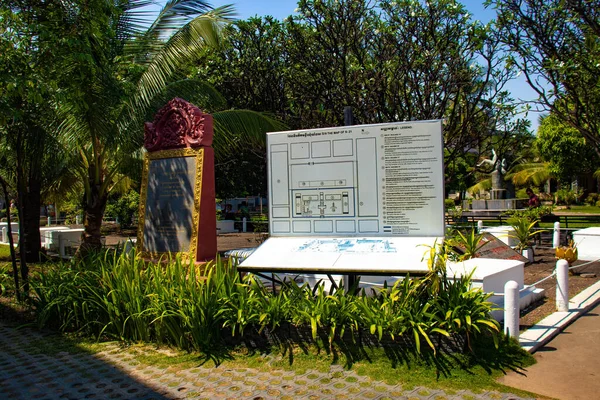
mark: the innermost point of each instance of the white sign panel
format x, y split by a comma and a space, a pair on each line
339, 255
366, 180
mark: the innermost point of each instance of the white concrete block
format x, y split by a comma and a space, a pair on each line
45, 235
489, 274
225, 226
504, 233
588, 243
68, 237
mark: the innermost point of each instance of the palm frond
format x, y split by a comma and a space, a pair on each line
529, 174
180, 49
234, 128
202, 94
177, 13
133, 20
481, 186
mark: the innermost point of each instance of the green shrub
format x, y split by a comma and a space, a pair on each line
465, 246
532, 214
465, 310
6, 280
592, 199
71, 209
568, 197
525, 231
124, 208
449, 204
176, 303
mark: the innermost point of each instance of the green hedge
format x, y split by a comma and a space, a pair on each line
173, 303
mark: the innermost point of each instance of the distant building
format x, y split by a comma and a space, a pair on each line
255, 204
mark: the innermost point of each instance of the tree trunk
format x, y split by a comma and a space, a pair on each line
13, 256
93, 215
31, 207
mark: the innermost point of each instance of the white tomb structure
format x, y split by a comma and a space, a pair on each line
46, 237
365, 199
504, 233
14, 227
588, 243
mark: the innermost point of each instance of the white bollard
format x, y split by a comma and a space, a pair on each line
511, 309
78, 219
562, 285
244, 224
479, 226
49, 221
556, 236
4, 234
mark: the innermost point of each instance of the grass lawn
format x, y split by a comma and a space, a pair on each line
580, 210
4, 252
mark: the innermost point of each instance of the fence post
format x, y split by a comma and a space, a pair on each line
479, 226
511, 309
562, 285
4, 234
244, 224
556, 236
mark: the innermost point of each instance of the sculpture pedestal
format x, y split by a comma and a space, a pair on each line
497, 194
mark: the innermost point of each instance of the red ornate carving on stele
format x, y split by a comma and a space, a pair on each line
178, 124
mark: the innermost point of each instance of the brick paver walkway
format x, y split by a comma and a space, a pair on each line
116, 373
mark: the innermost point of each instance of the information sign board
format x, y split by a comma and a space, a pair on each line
177, 197
357, 199
365, 180
169, 208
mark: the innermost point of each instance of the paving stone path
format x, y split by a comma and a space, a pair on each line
29, 372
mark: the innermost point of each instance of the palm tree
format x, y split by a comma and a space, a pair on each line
119, 66
530, 174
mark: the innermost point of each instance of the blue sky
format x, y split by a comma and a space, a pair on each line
281, 9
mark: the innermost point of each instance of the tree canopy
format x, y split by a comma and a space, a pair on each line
556, 44
565, 149
388, 60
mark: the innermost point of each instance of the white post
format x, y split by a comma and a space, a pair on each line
556, 236
49, 221
244, 224
511, 309
479, 226
78, 219
4, 234
562, 285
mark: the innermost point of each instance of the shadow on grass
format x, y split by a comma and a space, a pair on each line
507, 356
451, 357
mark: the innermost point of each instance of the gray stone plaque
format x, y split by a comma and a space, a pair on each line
168, 217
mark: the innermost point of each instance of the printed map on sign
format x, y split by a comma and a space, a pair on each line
348, 246
370, 180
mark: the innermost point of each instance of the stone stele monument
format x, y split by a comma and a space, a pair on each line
177, 202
